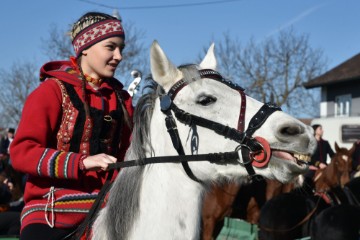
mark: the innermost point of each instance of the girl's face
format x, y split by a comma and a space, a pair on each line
100, 60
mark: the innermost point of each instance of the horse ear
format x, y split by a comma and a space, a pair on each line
336, 147
352, 149
209, 61
162, 70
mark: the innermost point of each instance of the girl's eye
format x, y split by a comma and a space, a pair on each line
111, 47
206, 100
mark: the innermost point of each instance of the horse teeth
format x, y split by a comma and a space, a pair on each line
302, 157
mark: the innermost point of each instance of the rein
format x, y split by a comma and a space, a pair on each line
220, 158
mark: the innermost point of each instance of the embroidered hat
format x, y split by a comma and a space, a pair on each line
92, 28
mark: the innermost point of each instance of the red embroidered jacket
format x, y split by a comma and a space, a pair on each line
54, 134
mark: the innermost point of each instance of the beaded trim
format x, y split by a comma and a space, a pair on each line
92, 80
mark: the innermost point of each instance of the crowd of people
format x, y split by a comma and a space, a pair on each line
12, 185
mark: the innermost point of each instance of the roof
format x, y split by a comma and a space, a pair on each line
346, 71
306, 121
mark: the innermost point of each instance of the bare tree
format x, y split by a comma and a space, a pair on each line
275, 69
58, 46
17, 83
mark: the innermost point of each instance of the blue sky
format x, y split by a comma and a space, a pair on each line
182, 32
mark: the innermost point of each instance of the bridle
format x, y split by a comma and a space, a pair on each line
250, 151
254, 151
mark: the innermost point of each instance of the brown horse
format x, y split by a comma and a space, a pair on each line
337, 173
217, 205
239, 201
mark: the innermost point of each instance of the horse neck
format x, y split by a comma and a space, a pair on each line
326, 179
331, 174
170, 201
334, 177
169, 205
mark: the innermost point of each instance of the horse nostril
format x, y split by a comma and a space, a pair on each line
292, 130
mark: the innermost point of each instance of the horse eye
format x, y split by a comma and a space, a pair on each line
206, 100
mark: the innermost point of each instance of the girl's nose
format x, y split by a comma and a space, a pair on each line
117, 54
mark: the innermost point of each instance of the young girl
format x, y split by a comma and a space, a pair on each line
76, 123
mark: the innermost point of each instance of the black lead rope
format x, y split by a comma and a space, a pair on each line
86, 225
219, 158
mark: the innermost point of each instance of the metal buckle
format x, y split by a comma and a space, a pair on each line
240, 160
107, 118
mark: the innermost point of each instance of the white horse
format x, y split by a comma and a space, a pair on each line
160, 201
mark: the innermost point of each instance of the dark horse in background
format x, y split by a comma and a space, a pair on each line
294, 216
332, 213
245, 200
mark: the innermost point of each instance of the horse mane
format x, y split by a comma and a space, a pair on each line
141, 143
123, 203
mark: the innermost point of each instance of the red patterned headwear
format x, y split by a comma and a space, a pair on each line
96, 32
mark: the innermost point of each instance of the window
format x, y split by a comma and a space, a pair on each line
342, 105
350, 132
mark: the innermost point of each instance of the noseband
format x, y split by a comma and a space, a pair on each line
254, 151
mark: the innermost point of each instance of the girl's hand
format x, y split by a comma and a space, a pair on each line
99, 161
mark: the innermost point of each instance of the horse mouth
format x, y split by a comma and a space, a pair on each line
297, 158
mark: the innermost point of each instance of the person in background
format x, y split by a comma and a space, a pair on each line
9, 215
323, 149
76, 123
4, 148
318, 159
5, 142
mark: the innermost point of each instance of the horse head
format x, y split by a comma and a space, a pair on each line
343, 163
288, 142
337, 173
